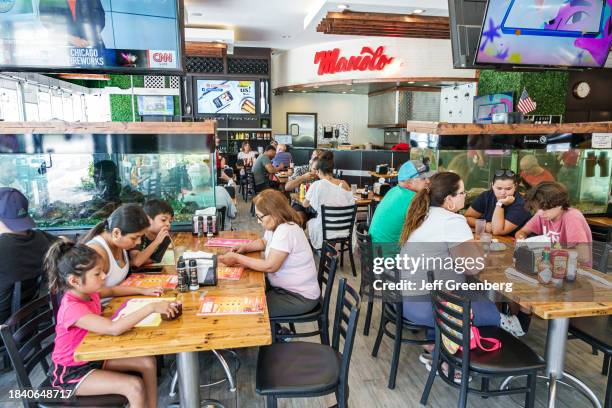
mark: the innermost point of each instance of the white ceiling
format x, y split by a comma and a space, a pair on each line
287, 24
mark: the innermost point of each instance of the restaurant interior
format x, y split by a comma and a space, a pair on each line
207, 112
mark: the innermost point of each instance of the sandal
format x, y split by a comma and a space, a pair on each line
456, 380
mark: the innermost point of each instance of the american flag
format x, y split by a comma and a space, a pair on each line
525, 103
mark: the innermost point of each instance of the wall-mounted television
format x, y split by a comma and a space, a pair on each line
128, 36
485, 106
564, 33
155, 105
222, 96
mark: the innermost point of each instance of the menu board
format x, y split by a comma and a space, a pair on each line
127, 36
226, 96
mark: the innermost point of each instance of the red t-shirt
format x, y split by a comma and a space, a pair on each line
67, 335
535, 180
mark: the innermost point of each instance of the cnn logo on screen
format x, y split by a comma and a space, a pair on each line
162, 59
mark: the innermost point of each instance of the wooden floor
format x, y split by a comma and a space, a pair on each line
369, 375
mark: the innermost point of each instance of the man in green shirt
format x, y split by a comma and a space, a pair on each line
388, 221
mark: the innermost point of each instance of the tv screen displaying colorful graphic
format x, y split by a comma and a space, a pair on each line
226, 96
127, 36
485, 106
575, 33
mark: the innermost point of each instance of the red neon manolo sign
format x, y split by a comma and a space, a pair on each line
330, 62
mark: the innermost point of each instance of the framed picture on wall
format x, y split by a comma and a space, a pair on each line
303, 128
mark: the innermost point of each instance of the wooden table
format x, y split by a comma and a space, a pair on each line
604, 222
582, 298
188, 334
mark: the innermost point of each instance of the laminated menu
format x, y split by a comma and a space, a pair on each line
144, 280
231, 305
132, 305
226, 242
229, 272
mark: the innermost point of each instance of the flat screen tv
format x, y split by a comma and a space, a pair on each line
127, 36
563, 33
221, 96
485, 106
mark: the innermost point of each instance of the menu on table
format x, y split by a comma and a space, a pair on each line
229, 272
133, 305
144, 280
231, 305
226, 242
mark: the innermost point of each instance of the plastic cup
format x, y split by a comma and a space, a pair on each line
480, 227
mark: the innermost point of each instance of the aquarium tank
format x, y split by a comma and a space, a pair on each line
73, 181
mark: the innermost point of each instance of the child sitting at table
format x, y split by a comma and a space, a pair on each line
160, 215
113, 237
78, 271
556, 219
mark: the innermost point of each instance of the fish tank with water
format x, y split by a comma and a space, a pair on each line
73, 181
586, 172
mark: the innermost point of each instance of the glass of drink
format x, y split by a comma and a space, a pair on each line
486, 238
480, 227
354, 189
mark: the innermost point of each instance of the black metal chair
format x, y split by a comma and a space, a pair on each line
28, 335
514, 358
249, 185
366, 257
601, 255
340, 221
303, 369
392, 312
221, 218
326, 276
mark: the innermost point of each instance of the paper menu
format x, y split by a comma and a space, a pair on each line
229, 272
143, 280
226, 242
231, 305
132, 305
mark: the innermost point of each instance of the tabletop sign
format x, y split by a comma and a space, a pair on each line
601, 141
330, 62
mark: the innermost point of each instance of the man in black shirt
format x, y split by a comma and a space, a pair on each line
22, 250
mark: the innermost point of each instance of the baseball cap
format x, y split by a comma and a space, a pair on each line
413, 169
14, 210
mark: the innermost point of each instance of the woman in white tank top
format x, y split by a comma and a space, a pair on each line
113, 237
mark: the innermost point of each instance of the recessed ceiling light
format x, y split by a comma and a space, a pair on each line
303, 91
343, 6
343, 92
425, 84
411, 82
418, 11
291, 90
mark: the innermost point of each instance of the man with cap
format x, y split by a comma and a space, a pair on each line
22, 250
388, 220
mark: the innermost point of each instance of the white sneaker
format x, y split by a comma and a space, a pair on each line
425, 358
511, 324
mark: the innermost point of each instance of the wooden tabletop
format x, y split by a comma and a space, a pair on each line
581, 298
385, 176
604, 222
189, 332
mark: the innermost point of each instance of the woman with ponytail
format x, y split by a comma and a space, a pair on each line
78, 272
442, 240
114, 237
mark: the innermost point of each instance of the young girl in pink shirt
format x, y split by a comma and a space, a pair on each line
78, 272
556, 219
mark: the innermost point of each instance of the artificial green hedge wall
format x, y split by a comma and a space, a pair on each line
121, 108
547, 89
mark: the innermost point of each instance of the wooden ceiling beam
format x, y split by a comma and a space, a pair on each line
205, 49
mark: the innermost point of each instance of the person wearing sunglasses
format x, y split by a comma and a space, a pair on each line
502, 206
288, 263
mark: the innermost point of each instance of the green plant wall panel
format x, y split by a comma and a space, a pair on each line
547, 89
121, 108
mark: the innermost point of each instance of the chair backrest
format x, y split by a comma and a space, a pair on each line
345, 326
340, 220
231, 190
601, 256
327, 273
451, 319
221, 218
366, 256
27, 336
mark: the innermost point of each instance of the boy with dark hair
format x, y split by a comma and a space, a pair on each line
157, 237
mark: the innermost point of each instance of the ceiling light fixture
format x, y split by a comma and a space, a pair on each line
291, 90
343, 6
303, 91
343, 92
418, 11
425, 84
411, 82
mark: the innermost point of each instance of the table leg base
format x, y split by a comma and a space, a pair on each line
552, 390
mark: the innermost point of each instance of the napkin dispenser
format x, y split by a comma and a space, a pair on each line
525, 260
381, 188
382, 168
207, 267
